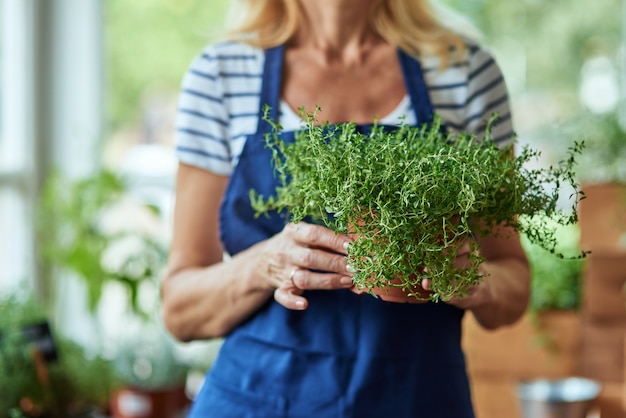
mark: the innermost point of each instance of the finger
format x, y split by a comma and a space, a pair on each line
466, 300
306, 279
464, 249
317, 259
462, 262
318, 236
331, 270
290, 297
464, 254
426, 284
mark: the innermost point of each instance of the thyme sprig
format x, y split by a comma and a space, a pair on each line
410, 195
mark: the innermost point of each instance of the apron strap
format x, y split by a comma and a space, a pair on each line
272, 76
270, 87
416, 87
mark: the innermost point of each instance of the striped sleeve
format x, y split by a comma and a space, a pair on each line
487, 98
467, 94
202, 119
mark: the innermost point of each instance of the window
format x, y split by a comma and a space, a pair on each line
50, 113
55, 66
16, 140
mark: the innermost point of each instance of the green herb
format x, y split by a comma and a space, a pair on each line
410, 195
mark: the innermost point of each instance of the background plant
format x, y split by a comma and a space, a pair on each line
149, 360
410, 195
97, 229
93, 228
604, 159
77, 379
556, 283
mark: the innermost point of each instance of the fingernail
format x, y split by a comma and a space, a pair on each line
346, 281
350, 268
300, 304
346, 245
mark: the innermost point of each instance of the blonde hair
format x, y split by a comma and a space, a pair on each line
412, 25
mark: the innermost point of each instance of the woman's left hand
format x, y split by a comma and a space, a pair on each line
501, 296
476, 295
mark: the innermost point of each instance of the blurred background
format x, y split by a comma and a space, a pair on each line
88, 98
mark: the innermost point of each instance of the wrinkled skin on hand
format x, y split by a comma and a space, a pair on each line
304, 257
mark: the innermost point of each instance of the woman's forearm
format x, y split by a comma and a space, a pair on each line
507, 280
208, 302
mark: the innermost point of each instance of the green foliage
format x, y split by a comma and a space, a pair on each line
411, 195
76, 380
72, 236
556, 283
94, 228
556, 36
605, 157
149, 44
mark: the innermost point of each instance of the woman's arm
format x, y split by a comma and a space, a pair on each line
198, 285
502, 296
205, 297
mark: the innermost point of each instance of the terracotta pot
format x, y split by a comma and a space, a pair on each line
417, 294
602, 219
29, 409
397, 294
133, 402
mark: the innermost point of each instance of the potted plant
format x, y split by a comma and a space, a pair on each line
154, 375
94, 228
556, 283
97, 230
44, 374
410, 195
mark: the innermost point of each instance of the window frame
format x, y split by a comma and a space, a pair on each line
52, 112
18, 172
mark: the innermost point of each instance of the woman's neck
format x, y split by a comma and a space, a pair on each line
338, 30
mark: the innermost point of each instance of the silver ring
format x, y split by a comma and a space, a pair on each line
293, 273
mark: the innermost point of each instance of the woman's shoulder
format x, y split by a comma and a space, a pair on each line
218, 105
229, 57
463, 59
228, 50
477, 53
469, 89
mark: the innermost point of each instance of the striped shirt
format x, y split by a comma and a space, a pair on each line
219, 102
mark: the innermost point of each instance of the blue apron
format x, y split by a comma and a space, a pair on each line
347, 355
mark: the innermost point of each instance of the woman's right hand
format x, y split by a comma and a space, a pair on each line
205, 297
303, 257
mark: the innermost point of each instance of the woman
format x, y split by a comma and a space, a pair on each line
298, 343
